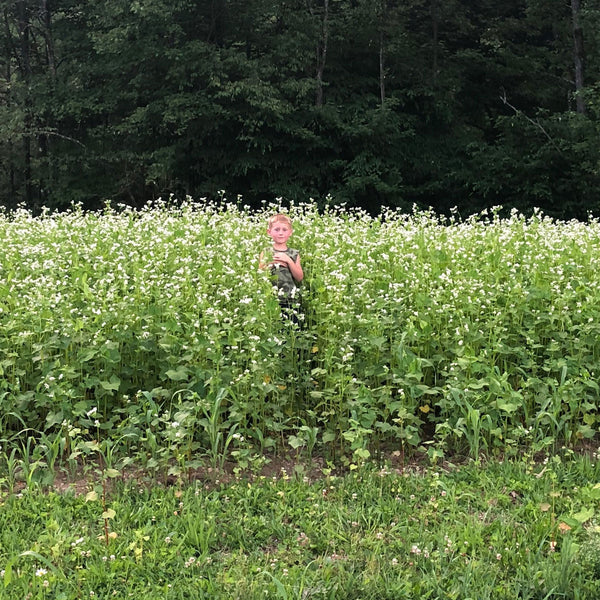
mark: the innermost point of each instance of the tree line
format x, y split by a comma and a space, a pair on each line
434, 103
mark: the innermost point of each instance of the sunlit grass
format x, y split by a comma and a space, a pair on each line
497, 531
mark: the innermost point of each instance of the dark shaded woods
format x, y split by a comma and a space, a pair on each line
431, 103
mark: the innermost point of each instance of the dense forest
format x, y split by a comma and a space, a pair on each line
433, 103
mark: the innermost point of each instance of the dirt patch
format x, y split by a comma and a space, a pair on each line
84, 478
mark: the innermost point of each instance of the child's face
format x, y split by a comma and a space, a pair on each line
280, 232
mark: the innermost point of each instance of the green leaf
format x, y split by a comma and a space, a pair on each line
362, 453
112, 384
295, 442
584, 515
53, 418
328, 436
180, 374
88, 355
509, 407
594, 491
586, 431
7, 574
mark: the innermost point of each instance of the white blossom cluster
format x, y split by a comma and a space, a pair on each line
409, 308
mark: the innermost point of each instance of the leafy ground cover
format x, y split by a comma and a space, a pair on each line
152, 336
519, 529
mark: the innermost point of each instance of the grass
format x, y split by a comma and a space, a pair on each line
520, 529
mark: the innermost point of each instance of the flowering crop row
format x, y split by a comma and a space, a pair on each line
158, 328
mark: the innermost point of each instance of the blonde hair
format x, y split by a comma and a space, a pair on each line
279, 218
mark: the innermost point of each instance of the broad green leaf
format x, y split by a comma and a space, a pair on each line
295, 442
584, 515
179, 374
112, 384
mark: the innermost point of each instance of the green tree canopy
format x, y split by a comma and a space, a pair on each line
371, 102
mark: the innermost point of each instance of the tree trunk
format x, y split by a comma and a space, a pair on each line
216, 34
25, 67
322, 53
578, 55
43, 138
7, 75
381, 68
435, 20
47, 20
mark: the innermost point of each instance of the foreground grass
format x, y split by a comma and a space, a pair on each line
520, 529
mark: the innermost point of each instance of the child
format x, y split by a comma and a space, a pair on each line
284, 263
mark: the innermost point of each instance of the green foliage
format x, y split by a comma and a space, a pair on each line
431, 103
488, 531
152, 334
528, 147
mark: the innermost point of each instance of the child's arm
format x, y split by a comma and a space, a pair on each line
295, 267
261, 261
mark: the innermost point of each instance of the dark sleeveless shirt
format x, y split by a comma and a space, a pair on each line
287, 287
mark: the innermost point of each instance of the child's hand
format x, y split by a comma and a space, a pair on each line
281, 258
